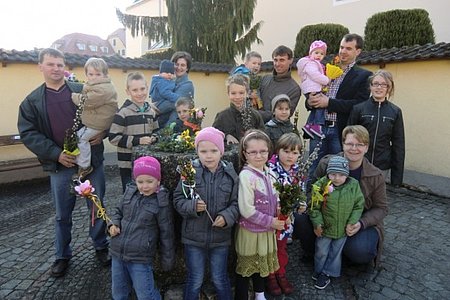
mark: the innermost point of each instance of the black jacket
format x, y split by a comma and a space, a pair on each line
35, 132
144, 222
275, 129
384, 121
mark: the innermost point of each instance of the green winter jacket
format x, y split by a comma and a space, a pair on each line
343, 206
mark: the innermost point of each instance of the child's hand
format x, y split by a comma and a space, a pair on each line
114, 230
277, 224
318, 231
153, 139
201, 205
219, 221
145, 140
231, 139
352, 229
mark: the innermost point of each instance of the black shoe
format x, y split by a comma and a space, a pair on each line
314, 276
103, 257
322, 281
59, 267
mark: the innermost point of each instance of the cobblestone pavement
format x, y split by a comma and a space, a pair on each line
416, 261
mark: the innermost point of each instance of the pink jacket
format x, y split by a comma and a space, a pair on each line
311, 75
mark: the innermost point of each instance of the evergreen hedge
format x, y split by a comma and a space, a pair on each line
329, 33
398, 28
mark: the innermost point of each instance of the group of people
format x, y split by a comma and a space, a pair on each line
357, 129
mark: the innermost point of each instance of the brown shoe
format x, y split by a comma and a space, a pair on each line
285, 285
272, 285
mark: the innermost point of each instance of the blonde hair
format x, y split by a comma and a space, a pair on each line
97, 64
135, 76
360, 132
238, 79
251, 54
252, 134
387, 76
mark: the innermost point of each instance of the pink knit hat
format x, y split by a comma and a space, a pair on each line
147, 165
318, 45
212, 135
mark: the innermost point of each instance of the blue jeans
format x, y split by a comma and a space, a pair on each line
168, 113
316, 116
361, 248
64, 203
328, 256
125, 275
330, 145
195, 266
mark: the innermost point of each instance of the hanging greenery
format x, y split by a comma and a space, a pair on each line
210, 30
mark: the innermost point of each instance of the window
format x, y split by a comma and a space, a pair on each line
104, 49
341, 2
123, 52
114, 42
93, 48
81, 46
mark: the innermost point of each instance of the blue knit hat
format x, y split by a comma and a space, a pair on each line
338, 164
167, 66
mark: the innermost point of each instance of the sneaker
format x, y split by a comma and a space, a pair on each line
103, 257
322, 281
314, 276
59, 267
307, 133
316, 129
285, 285
272, 285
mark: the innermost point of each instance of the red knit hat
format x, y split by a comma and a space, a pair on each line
147, 165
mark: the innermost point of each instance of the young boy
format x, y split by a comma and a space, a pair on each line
134, 124
337, 202
208, 220
251, 68
162, 95
142, 222
100, 105
183, 107
280, 122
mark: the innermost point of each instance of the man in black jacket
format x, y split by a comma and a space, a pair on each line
351, 88
44, 116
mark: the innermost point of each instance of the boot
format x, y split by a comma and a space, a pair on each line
285, 285
272, 285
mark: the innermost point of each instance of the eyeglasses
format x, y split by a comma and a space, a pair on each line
377, 84
255, 153
358, 146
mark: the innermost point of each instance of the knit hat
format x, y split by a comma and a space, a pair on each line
147, 165
338, 164
166, 66
318, 45
279, 97
212, 135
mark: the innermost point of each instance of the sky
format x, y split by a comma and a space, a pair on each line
27, 24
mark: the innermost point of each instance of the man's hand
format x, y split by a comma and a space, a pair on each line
67, 160
318, 100
98, 138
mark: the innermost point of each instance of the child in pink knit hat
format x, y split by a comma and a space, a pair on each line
144, 211
209, 213
313, 79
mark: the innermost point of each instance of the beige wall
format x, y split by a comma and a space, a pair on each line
422, 91
283, 19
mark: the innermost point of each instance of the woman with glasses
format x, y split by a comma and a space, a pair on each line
364, 242
384, 121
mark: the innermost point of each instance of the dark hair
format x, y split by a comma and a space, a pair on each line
282, 50
349, 37
252, 134
185, 101
50, 52
289, 141
135, 76
182, 54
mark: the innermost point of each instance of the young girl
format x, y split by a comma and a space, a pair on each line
255, 238
142, 221
209, 218
134, 124
280, 122
237, 119
284, 165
